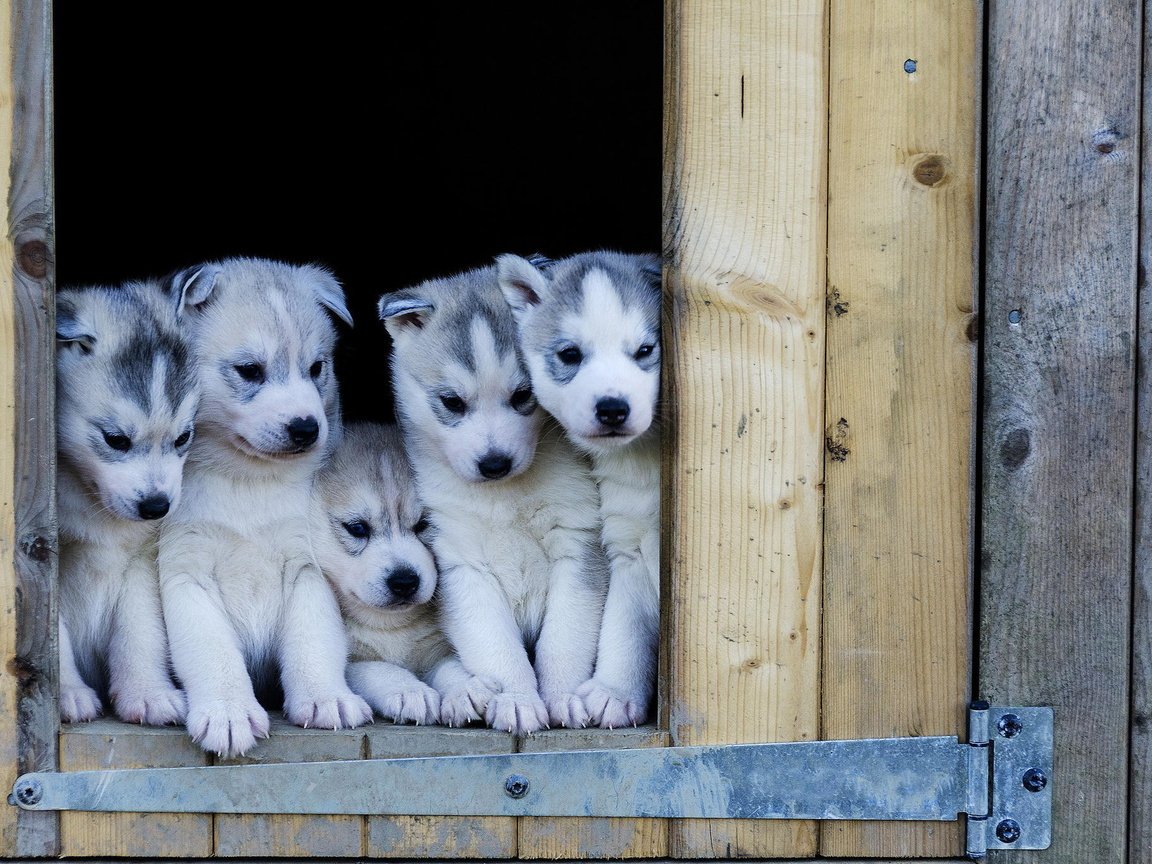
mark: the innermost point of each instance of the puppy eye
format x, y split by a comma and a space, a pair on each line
183, 439
358, 529
421, 525
316, 369
521, 397
453, 403
644, 351
118, 442
252, 372
570, 356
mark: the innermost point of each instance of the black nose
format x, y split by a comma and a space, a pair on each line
612, 411
403, 582
153, 507
495, 465
304, 431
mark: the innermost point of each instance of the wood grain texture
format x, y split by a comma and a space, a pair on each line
110, 744
744, 193
1061, 275
902, 275
28, 688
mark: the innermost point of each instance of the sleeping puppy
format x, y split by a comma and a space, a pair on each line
243, 595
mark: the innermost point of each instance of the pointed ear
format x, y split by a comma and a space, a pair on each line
524, 285
71, 329
191, 288
330, 293
651, 267
403, 310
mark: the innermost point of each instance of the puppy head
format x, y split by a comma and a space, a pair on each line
590, 330
126, 397
462, 390
368, 523
264, 343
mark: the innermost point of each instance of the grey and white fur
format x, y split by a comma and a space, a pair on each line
243, 596
522, 571
369, 530
589, 328
126, 396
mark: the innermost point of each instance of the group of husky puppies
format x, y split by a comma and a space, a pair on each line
491, 557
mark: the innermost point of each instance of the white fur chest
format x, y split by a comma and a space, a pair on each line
629, 481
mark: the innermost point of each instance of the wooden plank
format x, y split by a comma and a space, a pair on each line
1061, 284
588, 839
744, 149
289, 836
110, 744
440, 837
28, 704
902, 276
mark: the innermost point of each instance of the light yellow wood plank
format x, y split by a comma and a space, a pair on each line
902, 236
588, 839
438, 837
744, 212
290, 836
105, 744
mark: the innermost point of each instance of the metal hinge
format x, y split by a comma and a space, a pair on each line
1000, 780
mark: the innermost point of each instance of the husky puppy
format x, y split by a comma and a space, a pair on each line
126, 396
590, 332
368, 529
522, 572
242, 593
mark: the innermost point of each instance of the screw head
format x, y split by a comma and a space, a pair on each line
1034, 780
1009, 725
516, 786
28, 792
1008, 831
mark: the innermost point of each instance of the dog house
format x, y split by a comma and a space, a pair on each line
905, 469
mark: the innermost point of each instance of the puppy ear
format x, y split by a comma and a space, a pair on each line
70, 328
330, 293
191, 288
651, 267
402, 310
524, 284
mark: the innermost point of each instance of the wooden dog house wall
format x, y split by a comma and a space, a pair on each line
904, 466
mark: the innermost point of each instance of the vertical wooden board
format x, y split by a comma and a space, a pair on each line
439, 837
744, 192
260, 835
587, 839
105, 744
902, 277
28, 707
1061, 282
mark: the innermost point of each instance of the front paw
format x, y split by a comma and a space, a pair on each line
611, 707
416, 703
468, 702
227, 728
341, 709
518, 713
567, 709
156, 706
79, 703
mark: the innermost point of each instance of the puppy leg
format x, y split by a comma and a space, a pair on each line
140, 684
394, 692
621, 690
78, 701
479, 623
313, 657
464, 696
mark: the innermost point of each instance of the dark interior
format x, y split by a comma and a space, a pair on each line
391, 144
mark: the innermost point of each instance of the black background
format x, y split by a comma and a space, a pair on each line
389, 142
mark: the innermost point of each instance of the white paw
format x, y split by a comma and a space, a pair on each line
227, 728
610, 707
79, 703
417, 703
467, 703
341, 709
567, 709
154, 706
518, 713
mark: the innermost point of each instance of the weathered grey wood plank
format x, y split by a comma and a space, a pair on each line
27, 431
1062, 174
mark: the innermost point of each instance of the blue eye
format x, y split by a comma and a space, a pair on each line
358, 529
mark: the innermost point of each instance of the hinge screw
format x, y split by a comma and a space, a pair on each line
29, 792
1009, 725
1035, 780
1008, 831
516, 786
